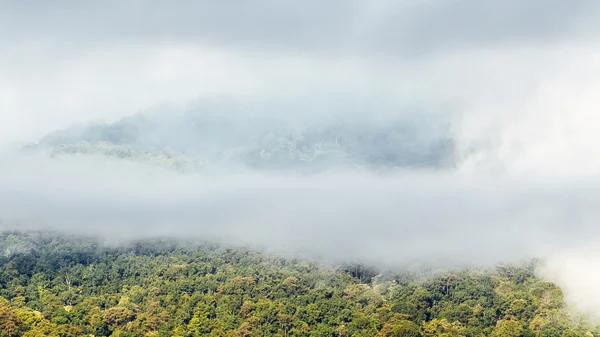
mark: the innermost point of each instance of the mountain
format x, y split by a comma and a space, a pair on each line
197, 139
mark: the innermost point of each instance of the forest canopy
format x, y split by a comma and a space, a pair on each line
53, 285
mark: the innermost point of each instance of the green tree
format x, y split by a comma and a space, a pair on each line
10, 324
507, 328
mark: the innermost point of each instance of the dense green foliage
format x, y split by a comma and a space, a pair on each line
65, 286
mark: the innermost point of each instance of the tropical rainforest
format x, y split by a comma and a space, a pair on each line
53, 284
341, 168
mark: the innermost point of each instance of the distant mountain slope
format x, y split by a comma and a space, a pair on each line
197, 139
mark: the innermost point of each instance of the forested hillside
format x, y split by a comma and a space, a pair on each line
201, 138
51, 285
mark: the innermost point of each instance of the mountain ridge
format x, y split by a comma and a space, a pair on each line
259, 143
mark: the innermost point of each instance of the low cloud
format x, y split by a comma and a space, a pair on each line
410, 217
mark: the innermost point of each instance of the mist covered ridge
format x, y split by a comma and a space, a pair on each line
229, 135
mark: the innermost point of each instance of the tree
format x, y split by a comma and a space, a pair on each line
507, 328
286, 322
116, 317
442, 328
9, 322
401, 328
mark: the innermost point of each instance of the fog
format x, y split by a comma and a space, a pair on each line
513, 87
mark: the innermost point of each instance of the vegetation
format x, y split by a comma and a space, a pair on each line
198, 140
165, 159
70, 286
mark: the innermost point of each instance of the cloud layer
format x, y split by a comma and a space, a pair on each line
405, 28
409, 217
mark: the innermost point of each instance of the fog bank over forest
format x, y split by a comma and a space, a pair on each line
452, 133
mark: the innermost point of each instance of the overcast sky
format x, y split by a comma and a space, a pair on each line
402, 28
71, 61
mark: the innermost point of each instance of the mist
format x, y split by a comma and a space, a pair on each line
509, 90
405, 217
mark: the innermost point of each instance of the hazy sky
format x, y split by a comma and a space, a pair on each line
400, 27
71, 61
521, 78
